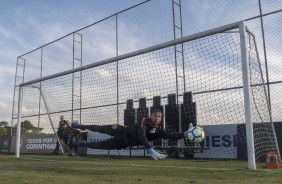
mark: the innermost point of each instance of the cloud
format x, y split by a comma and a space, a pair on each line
148, 75
99, 43
3, 106
4, 32
5, 111
24, 27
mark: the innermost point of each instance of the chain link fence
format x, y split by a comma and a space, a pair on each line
153, 22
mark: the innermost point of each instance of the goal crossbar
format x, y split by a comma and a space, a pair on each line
142, 51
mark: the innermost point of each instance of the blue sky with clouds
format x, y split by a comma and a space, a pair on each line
27, 24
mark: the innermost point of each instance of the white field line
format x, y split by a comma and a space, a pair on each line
139, 165
152, 166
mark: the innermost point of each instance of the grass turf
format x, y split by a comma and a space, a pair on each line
50, 169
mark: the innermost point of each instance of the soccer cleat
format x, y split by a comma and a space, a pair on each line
75, 124
155, 155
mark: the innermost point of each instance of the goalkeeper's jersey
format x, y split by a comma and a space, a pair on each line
142, 133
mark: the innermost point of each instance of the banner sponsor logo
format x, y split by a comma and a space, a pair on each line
220, 142
38, 143
41, 143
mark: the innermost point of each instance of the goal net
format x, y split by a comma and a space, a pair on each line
197, 79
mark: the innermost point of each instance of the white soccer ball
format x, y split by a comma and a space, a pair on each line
196, 134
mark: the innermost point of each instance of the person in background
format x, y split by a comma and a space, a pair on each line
67, 135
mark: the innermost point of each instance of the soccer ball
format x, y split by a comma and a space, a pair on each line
196, 134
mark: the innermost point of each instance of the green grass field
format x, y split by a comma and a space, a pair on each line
51, 169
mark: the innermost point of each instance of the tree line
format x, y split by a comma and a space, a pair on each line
26, 128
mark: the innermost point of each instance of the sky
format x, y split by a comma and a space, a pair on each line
28, 24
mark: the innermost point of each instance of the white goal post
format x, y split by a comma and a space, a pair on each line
247, 96
220, 67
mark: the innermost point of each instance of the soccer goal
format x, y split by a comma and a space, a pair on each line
211, 79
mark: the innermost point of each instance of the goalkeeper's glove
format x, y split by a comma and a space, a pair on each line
155, 155
186, 132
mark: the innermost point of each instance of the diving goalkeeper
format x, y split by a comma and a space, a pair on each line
140, 134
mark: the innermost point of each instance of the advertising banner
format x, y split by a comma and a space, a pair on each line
41, 144
35, 144
220, 141
5, 142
